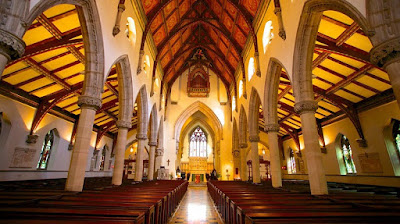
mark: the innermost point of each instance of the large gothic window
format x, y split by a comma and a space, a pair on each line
347, 155
292, 162
46, 150
198, 143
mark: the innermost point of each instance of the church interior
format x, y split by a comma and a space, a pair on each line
199, 111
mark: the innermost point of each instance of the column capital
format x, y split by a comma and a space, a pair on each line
305, 106
243, 145
254, 138
141, 136
89, 102
11, 46
272, 128
152, 143
123, 124
386, 52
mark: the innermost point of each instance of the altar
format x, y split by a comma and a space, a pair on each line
197, 168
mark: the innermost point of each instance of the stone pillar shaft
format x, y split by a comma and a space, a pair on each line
316, 171
139, 159
275, 160
159, 156
3, 63
119, 156
77, 167
255, 160
152, 158
393, 71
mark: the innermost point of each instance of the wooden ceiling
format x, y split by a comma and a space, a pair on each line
51, 72
219, 27
343, 77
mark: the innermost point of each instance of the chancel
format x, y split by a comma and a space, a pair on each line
214, 111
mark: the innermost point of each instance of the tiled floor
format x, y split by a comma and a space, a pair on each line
196, 207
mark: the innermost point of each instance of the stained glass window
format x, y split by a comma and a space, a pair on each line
198, 143
240, 88
251, 68
396, 136
233, 103
347, 155
131, 30
292, 162
46, 149
103, 157
268, 35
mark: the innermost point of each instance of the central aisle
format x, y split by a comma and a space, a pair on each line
196, 207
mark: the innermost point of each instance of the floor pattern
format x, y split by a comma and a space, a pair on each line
196, 208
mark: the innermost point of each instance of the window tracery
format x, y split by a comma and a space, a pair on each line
198, 143
46, 150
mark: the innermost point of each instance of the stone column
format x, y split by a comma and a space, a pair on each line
139, 157
76, 174
152, 157
123, 127
255, 158
159, 155
243, 162
11, 48
275, 165
316, 171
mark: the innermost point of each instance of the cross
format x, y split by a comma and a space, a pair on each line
168, 162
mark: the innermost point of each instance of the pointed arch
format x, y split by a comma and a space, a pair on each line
271, 88
306, 37
92, 37
242, 126
125, 88
254, 106
153, 124
190, 110
142, 111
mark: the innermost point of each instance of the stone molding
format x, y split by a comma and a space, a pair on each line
140, 64
272, 128
89, 102
305, 107
141, 136
123, 124
386, 52
152, 143
254, 138
11, 46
